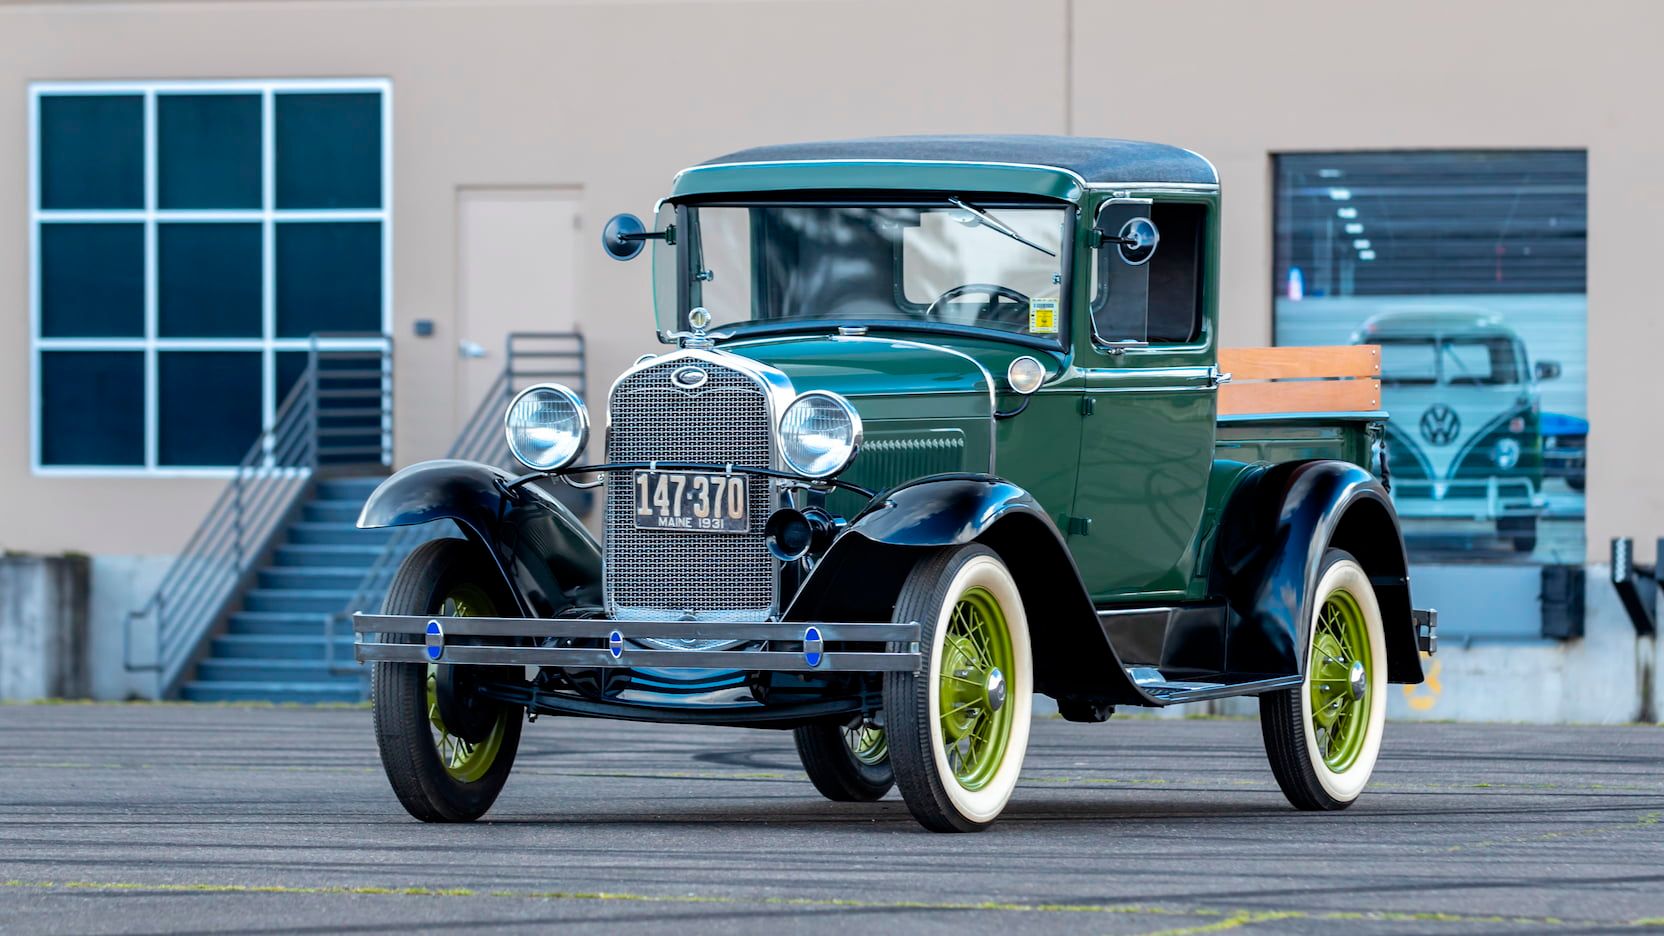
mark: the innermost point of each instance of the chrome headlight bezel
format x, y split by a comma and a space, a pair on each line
854, 433
1506, 453
579, 413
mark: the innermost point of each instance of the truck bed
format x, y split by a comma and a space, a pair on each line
1289, 403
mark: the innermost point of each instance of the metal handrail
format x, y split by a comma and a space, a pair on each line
265, 486
531, 357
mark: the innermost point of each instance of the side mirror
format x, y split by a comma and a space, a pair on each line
1548, 370
623, 237
1125, 239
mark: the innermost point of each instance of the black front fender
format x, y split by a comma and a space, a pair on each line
546, 556
1276, 527
862, 572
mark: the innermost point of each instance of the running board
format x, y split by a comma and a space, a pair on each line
1157, 687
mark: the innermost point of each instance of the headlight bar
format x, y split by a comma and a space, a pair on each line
562, 473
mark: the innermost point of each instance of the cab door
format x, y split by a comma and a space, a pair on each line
1148, 413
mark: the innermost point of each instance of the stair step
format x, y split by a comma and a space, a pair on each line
315, 555
335, 534
347, 488
247, 669
275, 691
297, 600
332, 511
280, 647
311, 577
281, 624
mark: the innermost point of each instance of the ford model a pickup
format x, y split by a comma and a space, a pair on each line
944, 427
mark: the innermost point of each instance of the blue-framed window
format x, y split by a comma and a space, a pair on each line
186, 239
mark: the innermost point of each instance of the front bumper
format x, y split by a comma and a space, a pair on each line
810, 647
1468, 499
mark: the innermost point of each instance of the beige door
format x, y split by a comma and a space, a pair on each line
517, 260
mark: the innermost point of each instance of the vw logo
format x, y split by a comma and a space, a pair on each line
688, 378
1440, 425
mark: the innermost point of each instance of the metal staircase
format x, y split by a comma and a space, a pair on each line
258, 606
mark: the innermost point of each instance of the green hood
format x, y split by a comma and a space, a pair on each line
926, 408
885, 377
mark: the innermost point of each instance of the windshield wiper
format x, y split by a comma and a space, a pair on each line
989, 221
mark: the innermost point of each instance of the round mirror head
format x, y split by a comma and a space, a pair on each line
1139, 238
615, 243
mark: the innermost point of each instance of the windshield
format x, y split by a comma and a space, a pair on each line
964, 263
1475, 361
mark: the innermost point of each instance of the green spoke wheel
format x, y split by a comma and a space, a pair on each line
976, 657
1341, 661
847, 763
958, 729
465, 760
447, 749
866, 744
1323, 738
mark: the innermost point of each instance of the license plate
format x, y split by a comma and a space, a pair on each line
691, 502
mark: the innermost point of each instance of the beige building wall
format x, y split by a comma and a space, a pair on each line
610, 99
1239, 81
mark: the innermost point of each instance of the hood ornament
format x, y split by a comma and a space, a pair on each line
698, 319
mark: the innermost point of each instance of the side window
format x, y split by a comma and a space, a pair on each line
1172, 311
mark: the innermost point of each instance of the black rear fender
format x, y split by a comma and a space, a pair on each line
547, 559
1276, 526
860, 575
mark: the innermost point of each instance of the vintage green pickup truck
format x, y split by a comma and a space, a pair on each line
943, 426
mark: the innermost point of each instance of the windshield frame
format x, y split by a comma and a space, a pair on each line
1442, 360
688, 238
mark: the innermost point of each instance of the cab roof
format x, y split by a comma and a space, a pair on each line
1092, 159
1431, 321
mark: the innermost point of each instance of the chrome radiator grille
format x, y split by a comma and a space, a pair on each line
724, 421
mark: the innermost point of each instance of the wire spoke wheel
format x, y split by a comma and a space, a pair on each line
447, 747
1323, 738
976, 724
1342, 667
866, 743
463, 760
958, 727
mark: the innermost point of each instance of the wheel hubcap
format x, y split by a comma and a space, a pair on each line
974, 719
1340, 679
995, 690
464, 761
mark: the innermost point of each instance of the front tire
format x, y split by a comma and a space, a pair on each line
1323, 738
437, 775
958, 729
846, 763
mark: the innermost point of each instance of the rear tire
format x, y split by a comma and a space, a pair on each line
1323, 738
958, 729
436, 776
846, 763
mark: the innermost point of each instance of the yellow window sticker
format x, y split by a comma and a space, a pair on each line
1042, 316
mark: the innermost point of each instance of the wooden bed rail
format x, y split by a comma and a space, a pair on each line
1337, 379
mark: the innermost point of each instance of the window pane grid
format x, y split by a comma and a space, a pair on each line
154, 218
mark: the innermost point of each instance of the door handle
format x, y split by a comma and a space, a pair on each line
471, 349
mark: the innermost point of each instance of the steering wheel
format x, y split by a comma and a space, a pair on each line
994, 291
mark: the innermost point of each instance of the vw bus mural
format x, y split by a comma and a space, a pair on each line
1465, 447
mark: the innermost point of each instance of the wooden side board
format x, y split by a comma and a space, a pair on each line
1282, 363
1344, 378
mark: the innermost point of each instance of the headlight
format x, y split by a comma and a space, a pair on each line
547, 427
1506, 454
819, 434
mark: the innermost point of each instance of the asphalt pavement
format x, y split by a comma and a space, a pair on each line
188, 819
